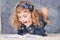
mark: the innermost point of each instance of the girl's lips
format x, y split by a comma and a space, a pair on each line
25, 22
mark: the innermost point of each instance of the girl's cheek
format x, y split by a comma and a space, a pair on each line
27, 18
19, 19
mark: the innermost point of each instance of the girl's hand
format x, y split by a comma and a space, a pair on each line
48, 23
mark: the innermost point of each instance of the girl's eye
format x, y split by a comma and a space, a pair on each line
25, 16
19, 17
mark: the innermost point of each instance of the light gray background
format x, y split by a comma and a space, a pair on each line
0, 16
53, 6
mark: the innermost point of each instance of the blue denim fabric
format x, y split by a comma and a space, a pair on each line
32, 29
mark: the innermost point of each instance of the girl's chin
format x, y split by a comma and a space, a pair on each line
26, 24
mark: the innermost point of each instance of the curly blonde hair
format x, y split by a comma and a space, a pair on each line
35, 16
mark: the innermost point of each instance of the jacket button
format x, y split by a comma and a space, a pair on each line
22, 28
30, 28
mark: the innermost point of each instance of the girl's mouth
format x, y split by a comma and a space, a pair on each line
25, 22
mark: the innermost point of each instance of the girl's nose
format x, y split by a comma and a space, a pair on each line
23, 19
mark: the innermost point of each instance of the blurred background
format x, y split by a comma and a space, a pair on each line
53, 6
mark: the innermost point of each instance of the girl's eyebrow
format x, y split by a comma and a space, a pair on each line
25, 15
19, 16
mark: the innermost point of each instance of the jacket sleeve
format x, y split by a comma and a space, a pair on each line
42, 20
20, 32
40, 30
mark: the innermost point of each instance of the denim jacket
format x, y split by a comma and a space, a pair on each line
32, 29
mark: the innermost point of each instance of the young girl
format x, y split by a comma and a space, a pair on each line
26, 19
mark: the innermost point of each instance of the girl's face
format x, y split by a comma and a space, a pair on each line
25, 17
